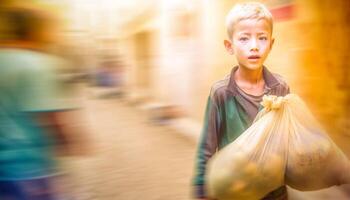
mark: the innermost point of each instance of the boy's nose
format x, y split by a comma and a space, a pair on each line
254, 49
254, 45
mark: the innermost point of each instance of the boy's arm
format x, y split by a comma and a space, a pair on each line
207, 146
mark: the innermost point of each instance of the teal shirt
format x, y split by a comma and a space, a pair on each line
27, 86
226, 118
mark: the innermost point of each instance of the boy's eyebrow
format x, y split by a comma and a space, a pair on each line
244, 33
247, 33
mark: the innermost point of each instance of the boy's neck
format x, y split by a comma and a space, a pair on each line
250, 81
250, 77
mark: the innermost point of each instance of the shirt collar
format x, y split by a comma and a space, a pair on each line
270, 80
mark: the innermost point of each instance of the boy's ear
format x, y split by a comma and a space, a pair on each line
272, 42
228, 46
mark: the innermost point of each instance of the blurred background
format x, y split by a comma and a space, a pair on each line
141, 71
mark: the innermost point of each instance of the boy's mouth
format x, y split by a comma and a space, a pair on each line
254, 57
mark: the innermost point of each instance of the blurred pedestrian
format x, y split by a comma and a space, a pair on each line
30, 108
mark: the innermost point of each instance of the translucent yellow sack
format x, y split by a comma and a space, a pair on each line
284, 145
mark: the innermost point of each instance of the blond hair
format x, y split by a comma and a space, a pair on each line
249, 10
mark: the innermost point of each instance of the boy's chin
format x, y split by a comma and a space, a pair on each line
252, 66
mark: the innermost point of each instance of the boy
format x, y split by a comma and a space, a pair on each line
234, 101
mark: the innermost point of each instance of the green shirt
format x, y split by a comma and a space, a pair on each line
27, 86
228, 114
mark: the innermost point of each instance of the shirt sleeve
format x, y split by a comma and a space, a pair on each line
283, 88
207, 146
287, 90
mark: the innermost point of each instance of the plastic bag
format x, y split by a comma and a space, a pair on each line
284, 145
314, 160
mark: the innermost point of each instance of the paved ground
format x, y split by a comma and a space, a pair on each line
135, 160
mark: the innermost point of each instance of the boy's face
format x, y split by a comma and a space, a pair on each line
251, 42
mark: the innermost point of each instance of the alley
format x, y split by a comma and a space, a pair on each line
132, 159
119, 89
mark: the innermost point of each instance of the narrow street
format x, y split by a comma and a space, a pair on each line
119, 89
132, 159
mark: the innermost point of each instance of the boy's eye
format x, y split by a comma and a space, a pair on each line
262, 38
243, 39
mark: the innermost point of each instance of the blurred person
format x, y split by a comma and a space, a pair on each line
234, 101
109, 76
31, 109
105, 75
